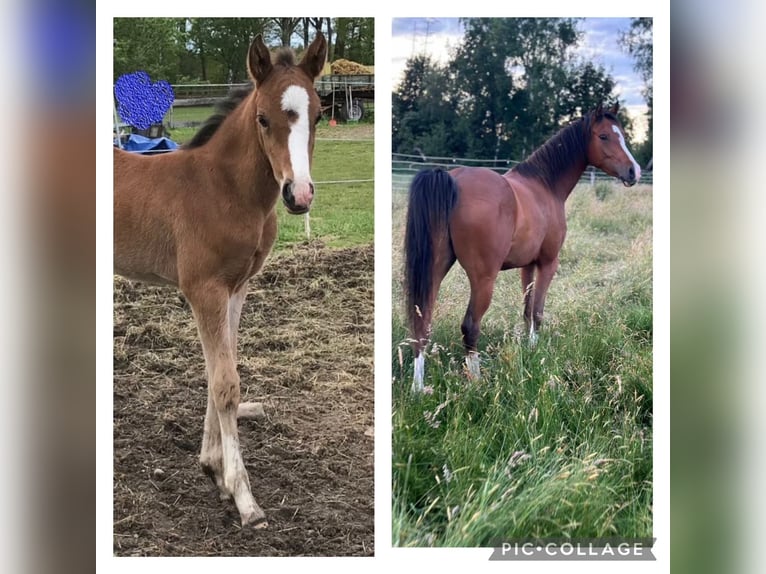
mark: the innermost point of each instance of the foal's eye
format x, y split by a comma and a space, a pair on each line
603, 137
263, 121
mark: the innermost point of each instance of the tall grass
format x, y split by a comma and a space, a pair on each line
556, 439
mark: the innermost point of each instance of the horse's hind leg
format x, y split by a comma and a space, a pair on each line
444, 259
482, 287
528, 288
210, 303
545, 273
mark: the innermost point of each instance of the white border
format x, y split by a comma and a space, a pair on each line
411, 559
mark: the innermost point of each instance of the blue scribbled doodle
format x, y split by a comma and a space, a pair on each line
140, 102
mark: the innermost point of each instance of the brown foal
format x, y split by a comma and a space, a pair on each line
203, 219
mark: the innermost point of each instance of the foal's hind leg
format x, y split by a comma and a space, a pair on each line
236, 301
211, 454
482, 287
210, 303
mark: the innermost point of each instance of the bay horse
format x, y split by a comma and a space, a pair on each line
491, 222
203, 218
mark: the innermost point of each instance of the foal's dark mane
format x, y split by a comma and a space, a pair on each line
223, 109
552, 159
283, 57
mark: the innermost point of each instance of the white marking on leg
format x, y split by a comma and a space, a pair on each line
473, 364
532, 333
636, 167
417, 379
295, 99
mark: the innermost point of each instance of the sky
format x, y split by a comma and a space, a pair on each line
600, 44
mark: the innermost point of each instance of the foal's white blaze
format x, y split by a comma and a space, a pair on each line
417, 381
296, 99
636, 167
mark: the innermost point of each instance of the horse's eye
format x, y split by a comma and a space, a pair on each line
603, 137
263, 121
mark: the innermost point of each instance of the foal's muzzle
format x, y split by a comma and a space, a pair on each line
297, 197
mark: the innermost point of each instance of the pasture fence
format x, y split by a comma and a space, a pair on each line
405, 166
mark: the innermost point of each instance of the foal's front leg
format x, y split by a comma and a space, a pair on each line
210, 303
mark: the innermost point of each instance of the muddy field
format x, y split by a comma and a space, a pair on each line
306, 352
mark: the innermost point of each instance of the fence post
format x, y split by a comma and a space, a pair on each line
592, 177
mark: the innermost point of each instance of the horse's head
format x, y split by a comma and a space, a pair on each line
607, 149
287, 110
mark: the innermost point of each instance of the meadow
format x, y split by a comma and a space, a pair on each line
554, 440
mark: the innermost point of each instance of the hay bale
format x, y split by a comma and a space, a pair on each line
344, 67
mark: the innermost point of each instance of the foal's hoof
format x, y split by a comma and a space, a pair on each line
255, 519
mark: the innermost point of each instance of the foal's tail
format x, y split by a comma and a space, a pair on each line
433, 194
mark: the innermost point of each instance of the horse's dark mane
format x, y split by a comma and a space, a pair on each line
555, 156
223, 109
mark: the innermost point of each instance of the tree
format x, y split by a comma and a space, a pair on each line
229, 41
354, 40
509, 74
154, 45
638, 42
424, 118
286, 28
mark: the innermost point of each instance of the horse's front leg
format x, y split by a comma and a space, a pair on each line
210, 303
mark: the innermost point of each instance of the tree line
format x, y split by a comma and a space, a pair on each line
509, 86
214, 50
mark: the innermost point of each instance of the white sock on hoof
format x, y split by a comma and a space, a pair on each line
417, 380
472, 362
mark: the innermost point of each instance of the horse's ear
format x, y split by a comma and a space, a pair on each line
599, 111
258, 60
614, 109
315, 57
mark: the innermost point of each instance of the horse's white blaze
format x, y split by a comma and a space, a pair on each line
636, 167
472, 362
417, 381
296, 99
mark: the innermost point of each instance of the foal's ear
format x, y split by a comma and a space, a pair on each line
258, 60
314, 59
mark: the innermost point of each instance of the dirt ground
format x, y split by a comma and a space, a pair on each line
306, 352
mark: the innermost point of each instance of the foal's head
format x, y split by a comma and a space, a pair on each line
607, 149
287, 110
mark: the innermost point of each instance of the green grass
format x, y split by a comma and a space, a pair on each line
342, 213
554, 440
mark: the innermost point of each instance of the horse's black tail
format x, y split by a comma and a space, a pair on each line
433, 195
